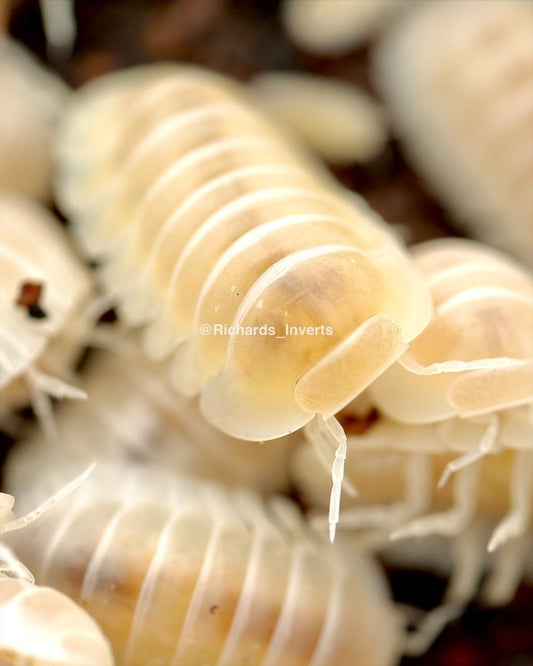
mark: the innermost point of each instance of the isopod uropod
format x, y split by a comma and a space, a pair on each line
280, 295
178, 572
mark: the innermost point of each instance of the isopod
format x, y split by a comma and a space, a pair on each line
340, 121
32, 99
280, 295
177, 572
334, 27
395, 468
474, 361
44, 289
132, 414
457, 79
40, 626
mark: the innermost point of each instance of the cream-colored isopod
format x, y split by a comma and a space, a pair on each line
280, 295
178, 572
133, 414
40, 626
457, 78
32, 100
474, 361
44, 289
396, 467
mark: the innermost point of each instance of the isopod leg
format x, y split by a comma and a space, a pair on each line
485, 446
515, 522
331, 431
448, 523
322, 446
506, 573
417, 496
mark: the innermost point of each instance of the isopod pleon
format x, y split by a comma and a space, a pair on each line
280, 295
177, 572
44, 288
133, 414
40, 626
32, 99
457, 78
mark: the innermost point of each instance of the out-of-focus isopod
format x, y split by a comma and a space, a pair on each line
335, 118
474, 361
132, 414
32, 99
457, 77
40, 626
396, 467
280, 295
334, 27
178, 572
44, 288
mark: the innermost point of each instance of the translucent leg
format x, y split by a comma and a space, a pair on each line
468, 556
485, 446
506, 573
331, 431
516, 521
448, 523
417, 495
22, 521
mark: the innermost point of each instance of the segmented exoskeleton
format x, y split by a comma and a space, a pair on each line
177, 572
44, 288
133, 414
40, 626
280, 295
457, 78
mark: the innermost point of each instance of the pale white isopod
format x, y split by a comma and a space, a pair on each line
44, 288
40, 626
280, 295
340, 121
180, 572
474, 362
133, 414
457, 78
396, 467
32, 99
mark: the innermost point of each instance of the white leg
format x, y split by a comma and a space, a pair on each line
468, 554
59, 27
485, 446
417, 473
506, 572
516, 521
448, 523
22, 521
324, 447
332, 432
